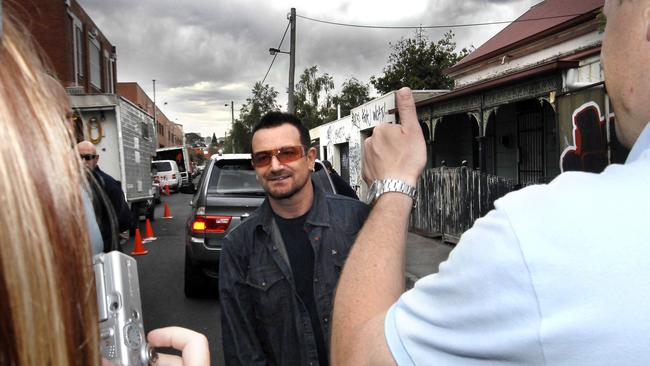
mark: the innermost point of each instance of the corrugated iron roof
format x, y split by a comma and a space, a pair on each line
539, 19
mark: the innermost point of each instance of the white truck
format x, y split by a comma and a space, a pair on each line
180, 156
125, 139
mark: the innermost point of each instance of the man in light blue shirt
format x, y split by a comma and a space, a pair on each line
556, 274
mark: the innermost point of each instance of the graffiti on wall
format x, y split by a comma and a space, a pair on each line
589, 151
355, 165
336, 134
368, 116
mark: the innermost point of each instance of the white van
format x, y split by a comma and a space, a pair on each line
167, 173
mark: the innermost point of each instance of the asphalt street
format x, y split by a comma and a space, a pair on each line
161, 279
161, 275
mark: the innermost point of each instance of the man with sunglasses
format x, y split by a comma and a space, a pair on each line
279, 268
112, 211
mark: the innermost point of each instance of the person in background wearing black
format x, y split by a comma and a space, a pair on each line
341, 186
112, 218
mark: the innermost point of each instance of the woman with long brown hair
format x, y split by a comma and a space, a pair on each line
48, 306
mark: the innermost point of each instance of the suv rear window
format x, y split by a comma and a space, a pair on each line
234, 176
162, 166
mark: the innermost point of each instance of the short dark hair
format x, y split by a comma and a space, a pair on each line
275, 119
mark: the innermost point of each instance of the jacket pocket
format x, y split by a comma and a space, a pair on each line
271, 293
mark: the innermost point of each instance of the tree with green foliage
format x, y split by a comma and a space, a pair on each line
353, 94
193, 139
213, 148
262, 101
196, 157
419, 63
313, 99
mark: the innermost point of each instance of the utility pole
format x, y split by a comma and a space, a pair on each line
232, 112
232, 118
292, 59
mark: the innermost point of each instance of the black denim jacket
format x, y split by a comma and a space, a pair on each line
264, 322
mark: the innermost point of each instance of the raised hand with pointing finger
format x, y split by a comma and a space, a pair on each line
395, 154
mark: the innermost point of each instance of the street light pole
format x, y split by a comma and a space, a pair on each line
232, 112
292, 60
155, 126
232, 123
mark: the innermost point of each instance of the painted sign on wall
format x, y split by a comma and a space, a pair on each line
374, 112
589, 151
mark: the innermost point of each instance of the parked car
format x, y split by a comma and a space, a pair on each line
227, 194
167, 173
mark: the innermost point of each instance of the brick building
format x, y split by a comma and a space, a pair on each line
168, 132
83, 59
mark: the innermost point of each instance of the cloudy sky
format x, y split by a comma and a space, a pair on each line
206, 53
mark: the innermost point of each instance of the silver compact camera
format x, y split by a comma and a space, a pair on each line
121, 326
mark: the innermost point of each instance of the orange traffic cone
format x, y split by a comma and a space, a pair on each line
148, 233
167, 189
167, 214
138, 248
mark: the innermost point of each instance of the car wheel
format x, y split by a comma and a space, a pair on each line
193, 279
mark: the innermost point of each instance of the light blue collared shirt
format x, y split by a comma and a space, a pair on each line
557, 274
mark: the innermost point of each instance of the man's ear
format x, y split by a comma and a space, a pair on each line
311, 157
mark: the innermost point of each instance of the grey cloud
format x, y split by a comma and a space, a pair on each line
181, 44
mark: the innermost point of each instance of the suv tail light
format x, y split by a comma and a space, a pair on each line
210, 224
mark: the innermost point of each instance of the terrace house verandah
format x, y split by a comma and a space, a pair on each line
508, 121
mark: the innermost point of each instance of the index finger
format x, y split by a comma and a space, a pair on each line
407, 114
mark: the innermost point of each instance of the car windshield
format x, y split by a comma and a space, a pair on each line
234, 177
162, 166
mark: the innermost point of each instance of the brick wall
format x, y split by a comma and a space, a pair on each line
51, 24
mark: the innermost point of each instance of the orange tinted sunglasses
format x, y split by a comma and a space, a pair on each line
285, 155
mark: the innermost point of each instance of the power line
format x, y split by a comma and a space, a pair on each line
276, 55
267, 71
435, 26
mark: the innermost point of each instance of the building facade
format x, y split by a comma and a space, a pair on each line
82, 58
341, 141
168, 133
530, 102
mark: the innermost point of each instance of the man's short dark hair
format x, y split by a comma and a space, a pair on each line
275, 119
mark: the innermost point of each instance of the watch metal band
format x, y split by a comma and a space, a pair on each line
395, 185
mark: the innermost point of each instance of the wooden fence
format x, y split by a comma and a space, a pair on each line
451, 199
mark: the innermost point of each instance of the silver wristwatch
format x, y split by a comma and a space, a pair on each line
382, 186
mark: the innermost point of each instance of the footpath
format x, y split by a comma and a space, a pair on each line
423, 256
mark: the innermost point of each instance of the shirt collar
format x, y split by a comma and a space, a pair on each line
641, 144
317, 216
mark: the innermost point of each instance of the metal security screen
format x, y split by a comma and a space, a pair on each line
530, 132
345, 162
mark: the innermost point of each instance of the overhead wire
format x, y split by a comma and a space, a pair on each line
276, 55
434, 26
410, 27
